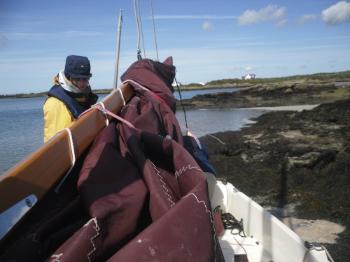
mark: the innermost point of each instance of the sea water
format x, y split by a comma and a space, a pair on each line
21, 128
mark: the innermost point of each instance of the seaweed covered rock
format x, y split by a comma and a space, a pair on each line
293, 158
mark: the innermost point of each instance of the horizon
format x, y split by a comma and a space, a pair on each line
208, 42
31, 93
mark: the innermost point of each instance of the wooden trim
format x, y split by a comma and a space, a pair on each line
37, 173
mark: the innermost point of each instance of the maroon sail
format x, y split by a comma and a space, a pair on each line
146, 196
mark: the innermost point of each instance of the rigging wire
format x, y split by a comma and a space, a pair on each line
182, 105
117, 52
139, 30
154, 29
142, 38
138, 42
185, 116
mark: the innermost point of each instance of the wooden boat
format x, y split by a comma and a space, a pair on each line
25, 187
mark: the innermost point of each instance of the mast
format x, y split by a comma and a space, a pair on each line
117, 53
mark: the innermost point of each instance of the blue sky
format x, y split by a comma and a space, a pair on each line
208, 39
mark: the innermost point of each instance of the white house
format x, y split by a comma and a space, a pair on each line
248, 76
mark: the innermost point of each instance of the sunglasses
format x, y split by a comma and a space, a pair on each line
81, 79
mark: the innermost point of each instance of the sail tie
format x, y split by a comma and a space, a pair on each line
103, 106
122, 96
109, 113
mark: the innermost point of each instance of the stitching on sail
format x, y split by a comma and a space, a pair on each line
56, 257
210, 216
164, 186
97, 228
183, 169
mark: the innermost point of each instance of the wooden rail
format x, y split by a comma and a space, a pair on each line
42, 169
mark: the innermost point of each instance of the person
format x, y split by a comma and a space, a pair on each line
69, 97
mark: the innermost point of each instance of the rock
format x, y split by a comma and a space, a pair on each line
288, 91
319, 230
305, 160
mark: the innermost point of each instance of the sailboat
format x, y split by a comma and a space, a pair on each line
119, 185
39, 185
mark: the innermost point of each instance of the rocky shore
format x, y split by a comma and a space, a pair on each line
267, 95
297, 164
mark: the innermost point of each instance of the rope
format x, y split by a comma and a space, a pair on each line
318, 247
73, 159
328, 254
189, 133
203, 131
154, 30
217, 139
107, 112
122, 96
230, 222
103, 106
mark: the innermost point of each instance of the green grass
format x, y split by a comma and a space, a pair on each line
337, 76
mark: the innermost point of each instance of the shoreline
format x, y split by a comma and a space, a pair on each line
270, 96
339, 79
297, 108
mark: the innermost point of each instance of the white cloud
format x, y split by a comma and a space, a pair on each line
307, 18
268, 13
207, 26
337, 13
282, 22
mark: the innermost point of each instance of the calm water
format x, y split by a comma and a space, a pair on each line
190, 94
21, 129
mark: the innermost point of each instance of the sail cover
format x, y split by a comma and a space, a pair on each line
146, 196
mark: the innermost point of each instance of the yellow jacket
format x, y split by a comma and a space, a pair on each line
56, 117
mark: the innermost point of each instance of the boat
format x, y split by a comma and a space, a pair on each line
43, 185
120, 184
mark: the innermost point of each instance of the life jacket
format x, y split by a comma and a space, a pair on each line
76, 103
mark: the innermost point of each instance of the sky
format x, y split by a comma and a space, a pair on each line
208, 39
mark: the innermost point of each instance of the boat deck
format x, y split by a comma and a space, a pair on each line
235, 246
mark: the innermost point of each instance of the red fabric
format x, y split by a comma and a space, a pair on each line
156, 76
146, 195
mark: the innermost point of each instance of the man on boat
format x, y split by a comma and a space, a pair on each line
69, 97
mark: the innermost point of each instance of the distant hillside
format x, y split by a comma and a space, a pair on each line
222, 83
331, 77
30, 95
22, 95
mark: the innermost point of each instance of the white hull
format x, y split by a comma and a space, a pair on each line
267, 238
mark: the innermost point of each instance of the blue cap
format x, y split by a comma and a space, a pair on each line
77, 67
